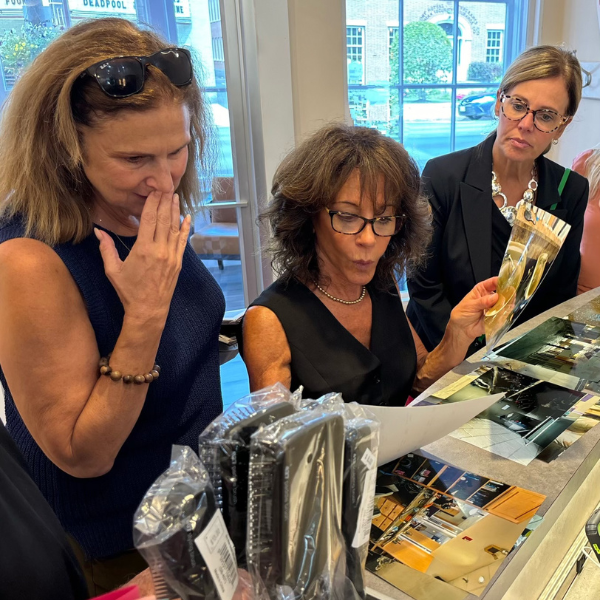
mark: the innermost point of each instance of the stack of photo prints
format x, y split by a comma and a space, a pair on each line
457, 526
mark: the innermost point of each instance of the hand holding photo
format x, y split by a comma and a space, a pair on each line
536, 238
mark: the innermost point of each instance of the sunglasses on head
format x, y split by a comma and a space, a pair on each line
124, 76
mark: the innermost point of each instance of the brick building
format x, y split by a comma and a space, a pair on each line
372, 24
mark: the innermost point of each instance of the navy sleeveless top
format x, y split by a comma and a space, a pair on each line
98, 512
326, 357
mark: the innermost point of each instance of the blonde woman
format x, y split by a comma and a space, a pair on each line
473, 193
588, 165
99, 145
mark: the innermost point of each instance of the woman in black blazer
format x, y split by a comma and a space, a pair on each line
538, 97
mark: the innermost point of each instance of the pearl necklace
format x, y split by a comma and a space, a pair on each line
362, 295
510, 212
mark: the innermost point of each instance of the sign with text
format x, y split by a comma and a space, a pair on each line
113, 7
182, 9
12, 7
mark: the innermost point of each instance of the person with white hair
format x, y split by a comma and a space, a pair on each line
588, 165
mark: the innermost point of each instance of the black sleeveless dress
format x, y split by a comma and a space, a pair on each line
326, 357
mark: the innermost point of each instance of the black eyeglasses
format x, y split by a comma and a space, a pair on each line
350, 224
544, 119
124, 76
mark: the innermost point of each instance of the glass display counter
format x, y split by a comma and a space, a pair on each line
538, 568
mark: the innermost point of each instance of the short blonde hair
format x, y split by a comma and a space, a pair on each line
41, 165
540, 62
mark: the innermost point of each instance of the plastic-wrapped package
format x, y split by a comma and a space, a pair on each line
295, 544
180, 533
224, 448
535, 241
332, 402
360, 473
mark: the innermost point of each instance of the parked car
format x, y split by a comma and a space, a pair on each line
478, 105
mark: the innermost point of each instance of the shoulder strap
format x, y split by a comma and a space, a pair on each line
561, 186
563, 181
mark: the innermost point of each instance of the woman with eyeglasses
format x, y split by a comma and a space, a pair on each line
473, 193
109, 321
347, 219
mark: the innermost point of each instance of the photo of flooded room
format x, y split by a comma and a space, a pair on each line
563, 346
532, 415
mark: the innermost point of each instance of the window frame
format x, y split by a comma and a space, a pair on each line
349, 56
513, 42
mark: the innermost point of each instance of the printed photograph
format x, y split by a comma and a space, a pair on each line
535, 418
561, 345
454, 526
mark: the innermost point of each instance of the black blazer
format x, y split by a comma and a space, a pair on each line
460, 255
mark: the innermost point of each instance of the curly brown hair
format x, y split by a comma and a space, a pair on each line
309, 180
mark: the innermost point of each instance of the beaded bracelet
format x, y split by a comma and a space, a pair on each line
106, 369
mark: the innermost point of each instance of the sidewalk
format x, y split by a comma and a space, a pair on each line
427, 111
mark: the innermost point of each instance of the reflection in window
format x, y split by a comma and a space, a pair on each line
392, 35
493, 51
59, 17
358, 107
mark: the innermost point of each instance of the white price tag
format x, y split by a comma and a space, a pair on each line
369, 459
218, 553
365, 514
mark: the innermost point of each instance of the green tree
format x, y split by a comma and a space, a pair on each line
427, 55
394, 129
18, 47
485, 71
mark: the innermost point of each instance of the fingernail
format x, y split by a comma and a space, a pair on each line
188, 218
97, 233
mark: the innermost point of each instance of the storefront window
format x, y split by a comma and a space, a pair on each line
431, 83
